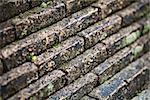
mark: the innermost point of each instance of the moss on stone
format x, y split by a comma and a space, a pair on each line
137, 50
146, 28
131, 38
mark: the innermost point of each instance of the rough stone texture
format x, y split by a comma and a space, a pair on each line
60, 53
69, 47
17, 78
144, 95
23, 26
42, 87
76, 22
19, 52
123, 38
101, 30
11, 8
121, 59
134, 11
74, 5
37, 21
77, 89
110, 6
84, 62
123, 83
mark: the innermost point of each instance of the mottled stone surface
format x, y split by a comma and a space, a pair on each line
144, 95
133, 76
30, 22
11, 8
75, 50
123, 38
17, 78
134, 11
61, 53
40, 20
20, 51
121, 59
43, 87
101, 30
76, 22
75, 5
76, 90
110, 6
84, 62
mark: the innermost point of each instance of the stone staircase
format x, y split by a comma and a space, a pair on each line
74, 49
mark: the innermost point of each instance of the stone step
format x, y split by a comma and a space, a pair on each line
36, 19
121, 59
8, 33
101, 30
125, 83
110, 25
77, 89
108, 7
134, 12
23, 26
40, 41
42, 88
59, 53
11, 8
17, 79
123, 38
75, 5
84, 62
95, 55
144, 95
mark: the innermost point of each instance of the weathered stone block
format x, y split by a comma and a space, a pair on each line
136, 74
123, 38
101, 30
76, 90
29, 22
84, 62
134, 12
40, 20
110, 6
75, 5
121, 59
76, 22
17, 79
43, 87
60, 53
20, 51
135, 83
